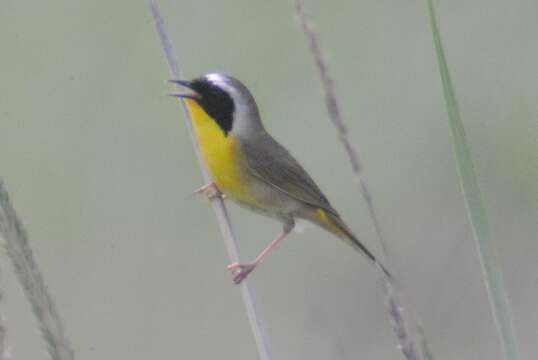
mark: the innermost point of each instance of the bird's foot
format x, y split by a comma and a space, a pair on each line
241, 271
211, 191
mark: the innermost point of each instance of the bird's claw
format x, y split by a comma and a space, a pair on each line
240, 271
211, 191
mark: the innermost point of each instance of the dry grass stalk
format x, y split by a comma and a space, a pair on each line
29, 276
4, 348
218, 205
407, 341
335, 116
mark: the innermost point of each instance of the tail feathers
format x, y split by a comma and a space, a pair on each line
339, 228
356, 242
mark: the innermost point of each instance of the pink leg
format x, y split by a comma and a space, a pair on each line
241, 271
211, 191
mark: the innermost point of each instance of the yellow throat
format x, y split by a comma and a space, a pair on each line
220, 153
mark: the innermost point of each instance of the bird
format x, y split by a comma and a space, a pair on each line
248, 166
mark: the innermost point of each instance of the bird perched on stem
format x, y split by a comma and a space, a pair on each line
248, 166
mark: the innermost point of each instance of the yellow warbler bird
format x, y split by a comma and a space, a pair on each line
251, 168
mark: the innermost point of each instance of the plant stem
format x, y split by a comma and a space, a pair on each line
217, 204
4, 349
335, 116
31, 279
407, 342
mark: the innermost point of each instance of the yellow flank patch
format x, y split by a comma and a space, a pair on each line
221, 154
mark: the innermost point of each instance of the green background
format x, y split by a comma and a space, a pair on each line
100, 167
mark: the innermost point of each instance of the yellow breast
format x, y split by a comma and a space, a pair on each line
221, 154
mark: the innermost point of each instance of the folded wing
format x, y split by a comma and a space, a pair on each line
271, 163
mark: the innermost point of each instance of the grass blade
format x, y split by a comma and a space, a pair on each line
475, 207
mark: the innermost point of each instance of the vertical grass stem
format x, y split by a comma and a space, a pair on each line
31, 279
400, 324
217, 204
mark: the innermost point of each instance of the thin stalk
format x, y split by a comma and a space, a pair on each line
475, 207
31, 279
217, 204
335, 116
426, 351
4, 348
408, 343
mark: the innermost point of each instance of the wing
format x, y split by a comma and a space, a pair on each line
271, 163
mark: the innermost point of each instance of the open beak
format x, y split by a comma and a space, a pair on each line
187, 84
